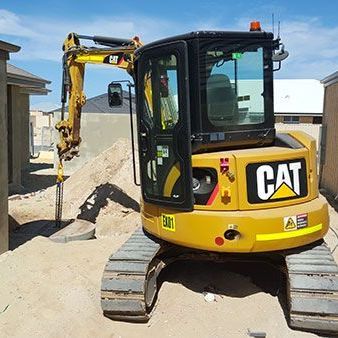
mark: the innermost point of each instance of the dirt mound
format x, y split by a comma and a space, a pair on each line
103, 192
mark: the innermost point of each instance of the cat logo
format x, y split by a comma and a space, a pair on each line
276, 181
113, 59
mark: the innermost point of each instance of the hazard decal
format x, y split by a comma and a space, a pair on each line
295, 222
276, 181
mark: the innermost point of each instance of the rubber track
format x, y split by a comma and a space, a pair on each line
313, 289
128, 286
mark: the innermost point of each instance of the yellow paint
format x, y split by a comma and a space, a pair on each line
211, 160
172, 177
199, 228
283, 191
291, 234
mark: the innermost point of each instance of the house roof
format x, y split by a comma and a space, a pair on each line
29, 83
99, 104
330, 79
298, 96
9, 47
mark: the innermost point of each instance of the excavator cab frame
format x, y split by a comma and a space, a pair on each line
164, 126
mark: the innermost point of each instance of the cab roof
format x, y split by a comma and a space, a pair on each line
211, 35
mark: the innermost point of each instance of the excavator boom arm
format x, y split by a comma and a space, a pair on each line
116, 52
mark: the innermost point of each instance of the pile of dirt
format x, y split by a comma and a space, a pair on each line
113, 166
102, 192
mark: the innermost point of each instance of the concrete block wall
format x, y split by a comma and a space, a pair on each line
3, 158
18, 133
329, 165
98, 132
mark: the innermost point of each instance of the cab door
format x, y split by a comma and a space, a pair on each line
164, 126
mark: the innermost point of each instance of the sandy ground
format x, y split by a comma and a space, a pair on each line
53, 290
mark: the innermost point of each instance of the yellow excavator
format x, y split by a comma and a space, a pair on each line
218, 183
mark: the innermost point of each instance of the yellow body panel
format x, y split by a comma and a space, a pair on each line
199, 228
261, 226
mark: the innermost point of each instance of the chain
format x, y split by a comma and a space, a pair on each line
59, 195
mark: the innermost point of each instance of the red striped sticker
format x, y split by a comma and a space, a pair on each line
213, 195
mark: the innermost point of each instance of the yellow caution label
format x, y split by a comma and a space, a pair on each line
290, 223
168, 222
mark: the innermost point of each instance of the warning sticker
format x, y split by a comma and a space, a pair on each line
163, 151
295, 222
290, 223
168, 222
301, 221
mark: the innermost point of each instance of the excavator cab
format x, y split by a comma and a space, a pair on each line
197, 93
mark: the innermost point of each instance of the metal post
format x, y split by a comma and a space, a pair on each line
132, 133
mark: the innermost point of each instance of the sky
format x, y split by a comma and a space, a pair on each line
309, 30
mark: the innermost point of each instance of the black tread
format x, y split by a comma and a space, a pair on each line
313, 289
126, 278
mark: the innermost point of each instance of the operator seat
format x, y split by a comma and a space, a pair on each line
221, 100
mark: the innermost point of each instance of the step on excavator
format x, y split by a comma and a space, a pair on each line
218, 183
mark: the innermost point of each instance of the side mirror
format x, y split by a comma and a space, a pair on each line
280, 56
115, 94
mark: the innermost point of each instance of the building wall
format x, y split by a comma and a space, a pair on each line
18, 135
3, 159
24, 111
98, 132
329, 158
302, 119
305, 119
43, 130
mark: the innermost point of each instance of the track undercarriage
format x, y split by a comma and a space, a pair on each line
129, 283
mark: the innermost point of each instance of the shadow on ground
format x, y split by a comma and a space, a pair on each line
29, 230
90, 209
332, 200
231, 279
38, 166
32, 181
98, 199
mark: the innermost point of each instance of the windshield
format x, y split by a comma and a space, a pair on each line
232, 85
